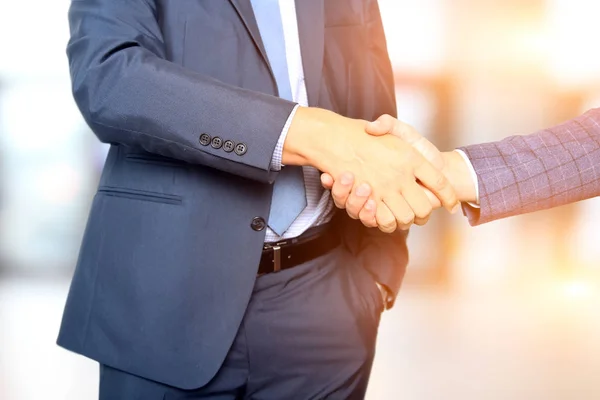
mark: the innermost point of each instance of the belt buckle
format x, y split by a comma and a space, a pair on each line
276, 258
276, 254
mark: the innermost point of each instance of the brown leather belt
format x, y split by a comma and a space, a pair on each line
286, 254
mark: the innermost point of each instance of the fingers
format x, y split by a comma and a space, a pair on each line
327, 181
401, 211
436, 182
357, 200
434, 201
414, 206
388, 124
341, 189
420, 200
386, 221
417, 200
368, 214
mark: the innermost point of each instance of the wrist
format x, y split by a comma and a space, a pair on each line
297, 145
310, 137
458, 174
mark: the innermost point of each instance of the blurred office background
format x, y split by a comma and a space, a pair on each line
510, 310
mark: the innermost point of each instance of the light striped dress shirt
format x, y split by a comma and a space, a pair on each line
320, 207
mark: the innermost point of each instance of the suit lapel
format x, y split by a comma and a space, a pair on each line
244, 9
311, 29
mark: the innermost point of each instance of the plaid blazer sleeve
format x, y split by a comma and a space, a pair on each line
521, 174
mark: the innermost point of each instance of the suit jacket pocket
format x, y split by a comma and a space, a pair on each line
142, 195
154, 159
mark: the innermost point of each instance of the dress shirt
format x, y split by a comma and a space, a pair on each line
319, 208
473, 176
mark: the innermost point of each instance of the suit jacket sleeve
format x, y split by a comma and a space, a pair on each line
550, 168
384, 255
130, 94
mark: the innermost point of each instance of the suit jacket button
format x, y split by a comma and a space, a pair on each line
217, 142
204, 139
228, 146
258, 224
241, 149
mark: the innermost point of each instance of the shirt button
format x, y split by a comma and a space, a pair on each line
241, 149
228, 146
204, 139
258, 224
216, 143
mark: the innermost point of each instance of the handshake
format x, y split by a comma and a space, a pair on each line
383, 172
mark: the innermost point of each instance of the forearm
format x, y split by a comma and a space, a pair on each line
130, 94
546, 169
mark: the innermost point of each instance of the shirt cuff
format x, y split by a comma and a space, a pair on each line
278, 153
473, 175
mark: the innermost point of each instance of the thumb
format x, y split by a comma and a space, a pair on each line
435, 202
381, 126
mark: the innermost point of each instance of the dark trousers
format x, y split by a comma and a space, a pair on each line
308, 333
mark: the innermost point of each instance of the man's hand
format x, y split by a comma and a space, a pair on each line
387, 164
358, 203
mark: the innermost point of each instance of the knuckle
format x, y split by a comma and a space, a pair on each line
354, 211
369, 222
421, 221
423, 212
362, 214
337, 192
406, 219
387, 226
367, 214
340, 201
351, 213
353, 202
339, 204
385, 229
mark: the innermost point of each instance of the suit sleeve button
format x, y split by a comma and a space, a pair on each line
204, 139
228, 146
216, 143
241, 149
258, 224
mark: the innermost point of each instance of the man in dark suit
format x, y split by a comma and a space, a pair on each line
213, 264
516, 175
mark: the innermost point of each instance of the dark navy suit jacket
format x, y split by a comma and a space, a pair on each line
169, 256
